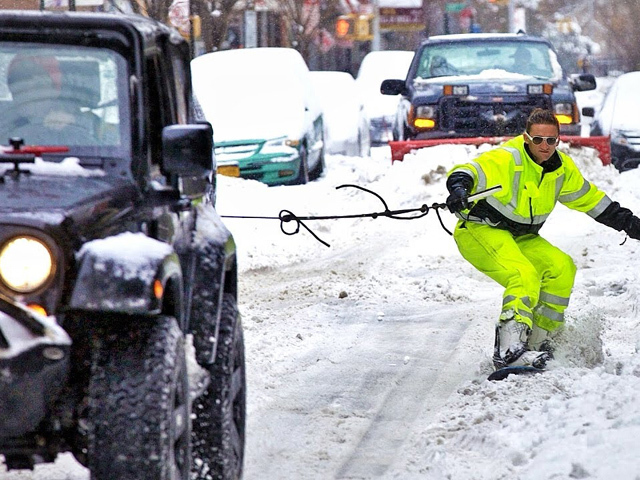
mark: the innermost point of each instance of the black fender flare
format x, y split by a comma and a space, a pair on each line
127, 273
213, 273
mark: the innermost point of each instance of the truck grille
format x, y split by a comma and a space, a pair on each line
493, 116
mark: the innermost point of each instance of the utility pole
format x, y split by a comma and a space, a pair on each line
250, 26
192, 41
375, 43
511, 16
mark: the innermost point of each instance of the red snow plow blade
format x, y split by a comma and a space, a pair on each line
400, 148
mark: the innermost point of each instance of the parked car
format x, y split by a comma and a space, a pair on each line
265, 114
619, 118
118, 279
345, 122
381, 109
475, 85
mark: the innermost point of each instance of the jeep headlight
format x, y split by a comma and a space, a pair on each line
26, 264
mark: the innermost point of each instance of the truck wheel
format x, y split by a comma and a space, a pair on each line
219, 424
319, 169
139, 402
303, 175
406, 135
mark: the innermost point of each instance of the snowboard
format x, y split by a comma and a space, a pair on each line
504, 372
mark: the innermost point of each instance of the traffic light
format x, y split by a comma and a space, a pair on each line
363, 28
196, 24
354, 27
345, 27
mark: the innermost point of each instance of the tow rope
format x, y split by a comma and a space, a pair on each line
286, 216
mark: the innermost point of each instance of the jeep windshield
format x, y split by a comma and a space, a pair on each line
477, 57
70, 96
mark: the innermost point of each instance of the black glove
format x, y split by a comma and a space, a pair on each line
633, 228
459, 185
457, 200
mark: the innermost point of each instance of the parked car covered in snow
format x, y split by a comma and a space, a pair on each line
619, 118
381, 109
345, 122
265, 114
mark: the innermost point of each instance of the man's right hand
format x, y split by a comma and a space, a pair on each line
457, 200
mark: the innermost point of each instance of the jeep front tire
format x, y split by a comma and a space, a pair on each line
139, 422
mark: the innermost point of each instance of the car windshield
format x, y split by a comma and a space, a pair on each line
474, 58
70, 96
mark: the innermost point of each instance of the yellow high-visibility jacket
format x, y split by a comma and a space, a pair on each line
529, 191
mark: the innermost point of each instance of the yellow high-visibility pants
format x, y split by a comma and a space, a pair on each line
537, 277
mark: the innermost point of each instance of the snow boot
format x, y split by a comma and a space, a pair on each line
532, 358
540, 340
510, 343
511, 347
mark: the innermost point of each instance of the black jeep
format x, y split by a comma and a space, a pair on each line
477, 85
120, 338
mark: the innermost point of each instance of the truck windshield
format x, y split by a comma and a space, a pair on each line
64, 95
477, 56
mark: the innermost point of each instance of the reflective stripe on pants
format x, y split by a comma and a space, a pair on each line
537, 276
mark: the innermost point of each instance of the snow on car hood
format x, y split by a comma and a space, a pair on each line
246, 107
493, 74
270, 116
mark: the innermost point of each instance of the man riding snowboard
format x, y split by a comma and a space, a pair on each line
499, 234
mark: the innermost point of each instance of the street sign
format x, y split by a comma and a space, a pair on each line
179, 16
401, 19
455, 7
65, 3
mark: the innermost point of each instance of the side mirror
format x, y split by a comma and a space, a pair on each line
187, 150
393, 87
581, 82
588, 111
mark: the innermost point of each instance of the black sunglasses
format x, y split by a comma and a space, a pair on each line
538, 140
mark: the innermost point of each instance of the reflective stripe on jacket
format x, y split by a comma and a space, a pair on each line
529, 193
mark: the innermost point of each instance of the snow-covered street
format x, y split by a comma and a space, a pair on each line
369, 359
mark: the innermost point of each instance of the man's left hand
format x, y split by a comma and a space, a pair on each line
633, 229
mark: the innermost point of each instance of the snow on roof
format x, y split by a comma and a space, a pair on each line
482, 36
355, 4
258, 90
378, 66
400, 3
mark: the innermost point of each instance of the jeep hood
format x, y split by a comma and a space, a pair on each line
40, 201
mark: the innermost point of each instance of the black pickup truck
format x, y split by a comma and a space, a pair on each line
483, 85
120, 338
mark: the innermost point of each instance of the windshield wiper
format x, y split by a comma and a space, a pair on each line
18, 153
